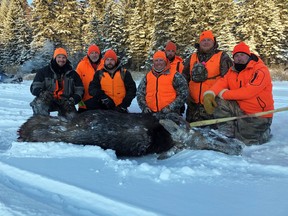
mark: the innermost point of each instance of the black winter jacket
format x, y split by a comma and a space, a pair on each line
96, 91
46, 77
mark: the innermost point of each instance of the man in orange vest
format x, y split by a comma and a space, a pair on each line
163, 89
201, 71
86, 69
176, 62
112, 87
245, 89
57, 87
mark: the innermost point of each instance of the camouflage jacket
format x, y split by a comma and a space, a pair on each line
225, 62
180, 86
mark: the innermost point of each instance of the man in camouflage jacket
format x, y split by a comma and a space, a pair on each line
162, 90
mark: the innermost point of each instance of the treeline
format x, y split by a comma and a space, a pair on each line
136, 28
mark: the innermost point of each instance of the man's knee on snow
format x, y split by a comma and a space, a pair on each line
254, 131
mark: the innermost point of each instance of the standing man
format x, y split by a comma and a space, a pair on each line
57, 87
245, 89
86, 69
176, 62
163, 89
112, 87
201, 71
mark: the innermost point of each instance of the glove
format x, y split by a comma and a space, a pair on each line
209, 103
121, 109
108, 103
68, 104
46, 96
76, 98
147, 110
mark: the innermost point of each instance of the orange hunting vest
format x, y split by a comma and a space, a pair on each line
114, 87
213, 67
86, 73
159, 90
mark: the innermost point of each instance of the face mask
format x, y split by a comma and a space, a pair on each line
240, 67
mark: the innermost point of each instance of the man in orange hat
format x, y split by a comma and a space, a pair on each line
201, 71
86, 69
163, 89
176, 62
57, 87
245, 89
112, 87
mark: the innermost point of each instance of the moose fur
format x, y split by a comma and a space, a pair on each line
129, 134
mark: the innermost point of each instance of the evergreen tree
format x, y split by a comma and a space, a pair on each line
84, 4
42, 58
113, 27
93, 29
149, 18
213, 15
26, 8
260, 27
203, 17
68, 25
226, 38
223, 23
163, 19
283, 7
16, 35
181, 32
3, 12
43, 17
137, 32
137, 28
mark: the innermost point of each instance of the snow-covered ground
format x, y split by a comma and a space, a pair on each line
65, 179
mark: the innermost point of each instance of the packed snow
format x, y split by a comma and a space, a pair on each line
64, 179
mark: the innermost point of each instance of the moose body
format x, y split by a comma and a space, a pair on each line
129, 134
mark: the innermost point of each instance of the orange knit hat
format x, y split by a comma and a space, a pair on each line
160, 54
170, 46
110, 54
241, 48
207, 34
60, 51
93, 48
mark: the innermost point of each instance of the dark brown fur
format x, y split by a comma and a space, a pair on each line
132, 134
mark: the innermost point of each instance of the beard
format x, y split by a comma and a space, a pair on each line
171, 57
109, 66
